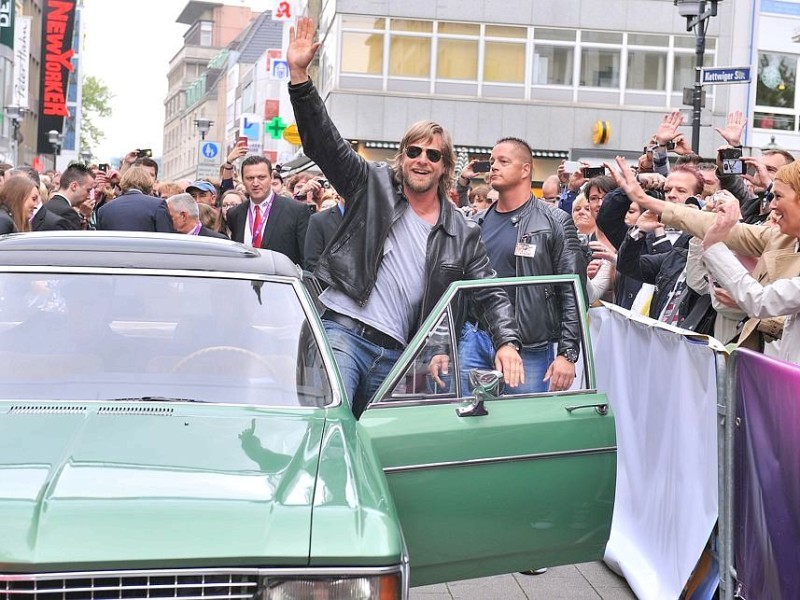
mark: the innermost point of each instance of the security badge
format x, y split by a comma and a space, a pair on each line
525, 249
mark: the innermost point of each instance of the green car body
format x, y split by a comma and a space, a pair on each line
99, 487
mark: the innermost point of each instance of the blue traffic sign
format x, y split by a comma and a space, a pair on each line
716, 75
210, 150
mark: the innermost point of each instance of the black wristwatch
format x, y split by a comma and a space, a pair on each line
570, 354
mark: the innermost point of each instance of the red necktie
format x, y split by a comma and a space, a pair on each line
257, 230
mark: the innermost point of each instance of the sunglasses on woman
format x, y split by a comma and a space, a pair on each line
433, 155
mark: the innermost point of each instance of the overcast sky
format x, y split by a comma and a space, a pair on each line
128, 45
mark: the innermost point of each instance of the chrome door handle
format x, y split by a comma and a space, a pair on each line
600, 407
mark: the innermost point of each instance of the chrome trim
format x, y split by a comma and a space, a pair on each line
500, 459
420, 400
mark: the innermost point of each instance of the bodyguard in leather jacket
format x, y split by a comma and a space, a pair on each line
380, 199
526, 236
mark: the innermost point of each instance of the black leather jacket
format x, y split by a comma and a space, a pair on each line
375, 201
544, 312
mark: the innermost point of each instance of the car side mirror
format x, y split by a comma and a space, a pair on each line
485, 385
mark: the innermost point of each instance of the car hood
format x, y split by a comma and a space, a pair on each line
138, 484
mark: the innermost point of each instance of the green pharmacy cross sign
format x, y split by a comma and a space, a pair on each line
275, 128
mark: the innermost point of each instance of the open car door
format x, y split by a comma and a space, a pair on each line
503, 483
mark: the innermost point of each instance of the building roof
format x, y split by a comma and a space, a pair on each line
194, 10
263, 34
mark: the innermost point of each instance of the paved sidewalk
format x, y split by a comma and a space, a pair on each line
586, 581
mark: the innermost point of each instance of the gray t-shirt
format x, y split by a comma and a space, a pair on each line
394, 304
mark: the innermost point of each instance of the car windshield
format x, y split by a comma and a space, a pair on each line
114, 336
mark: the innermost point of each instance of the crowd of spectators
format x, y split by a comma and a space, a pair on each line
641, 223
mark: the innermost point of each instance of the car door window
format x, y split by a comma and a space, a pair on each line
459, 339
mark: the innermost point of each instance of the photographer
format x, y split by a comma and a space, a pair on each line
312, 192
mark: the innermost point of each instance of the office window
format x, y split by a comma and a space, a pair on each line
683, 71
357, 22
552, 65
554, 35
411, 26
519, 33
776, 80
457, 59
504, 62
769, 120
409, 57
205, 33
449, 28
362, 53
647, 70
600, 67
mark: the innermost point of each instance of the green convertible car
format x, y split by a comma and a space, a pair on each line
172, 425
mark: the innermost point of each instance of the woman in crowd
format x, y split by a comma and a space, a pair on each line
19, 198
779, 298
599, 272
229, 199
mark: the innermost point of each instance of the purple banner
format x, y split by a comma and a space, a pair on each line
767, 475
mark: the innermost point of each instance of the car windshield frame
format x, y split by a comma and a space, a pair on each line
332, 396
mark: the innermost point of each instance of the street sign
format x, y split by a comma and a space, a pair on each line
250, 126
292, 135
717, 75
209, 158
279, 69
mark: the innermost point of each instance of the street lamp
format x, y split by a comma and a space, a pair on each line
16, 114
56, 139
697, 13
771, 145
203, 126
86, 156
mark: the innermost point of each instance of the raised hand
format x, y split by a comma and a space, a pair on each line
668, 129
302, 49
734, 127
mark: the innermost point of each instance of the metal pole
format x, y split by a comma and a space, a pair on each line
697, 97
726, 412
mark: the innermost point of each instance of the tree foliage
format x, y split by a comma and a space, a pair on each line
94, 105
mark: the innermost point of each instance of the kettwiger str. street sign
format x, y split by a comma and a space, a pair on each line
717, 75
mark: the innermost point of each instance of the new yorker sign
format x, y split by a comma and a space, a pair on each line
58, 20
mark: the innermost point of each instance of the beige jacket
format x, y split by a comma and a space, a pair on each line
776, 254
779, 298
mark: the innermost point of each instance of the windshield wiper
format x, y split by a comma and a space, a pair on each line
153, 399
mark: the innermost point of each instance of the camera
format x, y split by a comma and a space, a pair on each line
481, 166
104, 167
731, 159
144, 153
589, 172
323, 182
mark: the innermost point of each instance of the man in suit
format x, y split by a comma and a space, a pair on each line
185, 215
45, 220
268, 221
321, 228
74, 190
135, 209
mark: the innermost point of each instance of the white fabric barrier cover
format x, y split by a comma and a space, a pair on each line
662, 388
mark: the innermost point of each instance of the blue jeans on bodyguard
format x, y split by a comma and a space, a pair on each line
363, 365
476, 351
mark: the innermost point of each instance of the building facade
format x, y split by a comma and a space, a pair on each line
545, 72
193, 77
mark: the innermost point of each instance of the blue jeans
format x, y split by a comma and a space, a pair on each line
476, 351
363, 365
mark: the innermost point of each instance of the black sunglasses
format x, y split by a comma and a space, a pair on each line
433, 155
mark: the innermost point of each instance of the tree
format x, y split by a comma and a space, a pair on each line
94, 104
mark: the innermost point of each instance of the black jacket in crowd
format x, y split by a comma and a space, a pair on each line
611, 221
375, 200
544, 312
